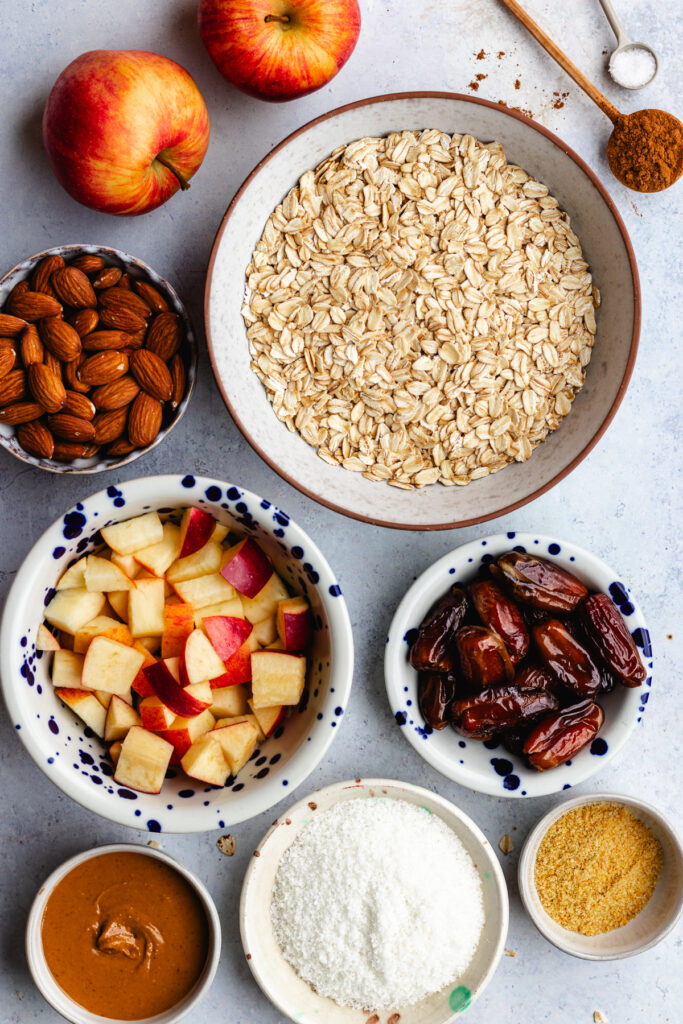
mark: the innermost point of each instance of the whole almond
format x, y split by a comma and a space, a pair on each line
71, 375
152, 374
73, 287
46, 387
71, 428
165, 335
144, 420
60, 338
13, 387
110, 425
78, 405
10, 326
123, 298
100, 340
31, 346
121, 319
126, 281
8, 357
152, 296
40, 279
136, 340
116, 395
89, 263
53, 363
34, 306
20, 412
103, 367
178, 379
36, 439
121, 447
67, 451
20, 288
107, 277
84, 321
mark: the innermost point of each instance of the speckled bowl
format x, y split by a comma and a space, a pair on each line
74, 759
488, 767
278, 980
606, 246
101, 463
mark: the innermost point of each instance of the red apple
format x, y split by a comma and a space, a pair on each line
196, 528
246, 567
237, 668
124, 130
171, 693
279, 49
294, 623
226, 633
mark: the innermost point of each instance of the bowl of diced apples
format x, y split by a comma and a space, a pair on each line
176, 654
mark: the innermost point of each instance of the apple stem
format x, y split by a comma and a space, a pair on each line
282, 18
184, 184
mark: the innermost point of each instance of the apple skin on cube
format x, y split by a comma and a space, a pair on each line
183, 703
205, 761
67, 670
237, 669
233, 608
226, 633
86, 706
268, 718
277, 678
183, 732
204, 562
199, 662
236, 719
74, 576
133, 534
110, 666
228, 701
140, 684
45, 640
154, 714
120, 718
143, 761
102, 575
146, 608
246, 567
204, 590
264, 605
101, 625
71, 609
294, 623
238, 742
196, 528
158, 557
178, 624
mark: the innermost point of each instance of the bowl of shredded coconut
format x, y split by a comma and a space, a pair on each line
373, 902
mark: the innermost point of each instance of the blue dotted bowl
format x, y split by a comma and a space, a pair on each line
487, 767
74, 758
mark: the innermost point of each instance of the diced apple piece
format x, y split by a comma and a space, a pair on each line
233, 607
228, 701
183, 703
154, 714
264, 605
201, 692
143, 761
115, 751
204, 590
268, 718
150, 643
200, 661
236, 719
158, 557
178, 624
173, 666
71, 609
204, 562
66, 640
127, 564
67, 670
205, 761
196, 528
220, 532
276, 678
183, 732
120, 718
101, 625
110, 666
45, 640
238, 742
265, 631
105, 698
86, 706
246, 567
227, 633
146, 608
102, 575
74, 576
118, 599
294, 623
237, 668
133, 534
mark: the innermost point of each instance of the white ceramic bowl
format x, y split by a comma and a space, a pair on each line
73, 758
56, 996
605, 243
488, 767
655, 920
115, 257
278, 980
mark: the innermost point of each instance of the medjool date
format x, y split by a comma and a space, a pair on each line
539, 582
484, 659
433, 646
562, 734
608, 634
435, 694
566, 658
498, 708
499, 613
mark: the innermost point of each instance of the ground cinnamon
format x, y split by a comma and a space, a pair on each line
645, 150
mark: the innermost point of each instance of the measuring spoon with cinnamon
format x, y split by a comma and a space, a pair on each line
645, 149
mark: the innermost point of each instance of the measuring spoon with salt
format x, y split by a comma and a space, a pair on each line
662, 128
632, 65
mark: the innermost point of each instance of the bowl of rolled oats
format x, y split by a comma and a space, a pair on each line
405, 301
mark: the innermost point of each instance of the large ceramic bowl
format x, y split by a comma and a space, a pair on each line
74, 759
102, 462
488, 767
278, 980
606, 246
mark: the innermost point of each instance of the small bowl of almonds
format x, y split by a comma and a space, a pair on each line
98, 359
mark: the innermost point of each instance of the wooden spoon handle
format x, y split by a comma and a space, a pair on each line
564, 61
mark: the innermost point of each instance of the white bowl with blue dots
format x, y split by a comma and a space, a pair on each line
488, 767
74, 758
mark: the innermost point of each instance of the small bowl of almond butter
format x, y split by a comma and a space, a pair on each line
98, 359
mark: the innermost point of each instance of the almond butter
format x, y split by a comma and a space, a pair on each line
84, 321
13, 387
53, 363
20, 288
165, 335
34, 306
71, 428
178, 380
67, 451
144, 420
46, 387
152, 296
73, 287
8, 357
71, 375
103, 367
89, 263
100, 340
152, 374
31, 347
121, 320
116, 395
121, 447
11, 326
124, 299
107, 277
36, 439
110, 425
78, 405
60, 338
20, 412
40, 278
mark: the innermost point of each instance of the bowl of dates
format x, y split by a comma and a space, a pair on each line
518, 665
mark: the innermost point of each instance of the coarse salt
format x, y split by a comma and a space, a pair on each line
632, 67
377, 904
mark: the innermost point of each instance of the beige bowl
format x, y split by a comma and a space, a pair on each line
650, 926
606, 246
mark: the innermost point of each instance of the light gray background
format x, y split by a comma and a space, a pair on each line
623, 502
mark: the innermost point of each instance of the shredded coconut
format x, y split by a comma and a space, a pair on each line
377, 904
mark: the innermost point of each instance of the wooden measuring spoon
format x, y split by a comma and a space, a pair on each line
643, 169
